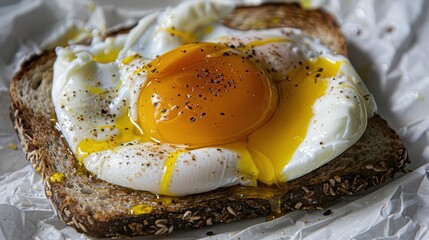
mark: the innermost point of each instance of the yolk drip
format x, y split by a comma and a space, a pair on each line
273, 145
184, 36
140, 209
106, 56
306, 4
262, 42
187, 37
126, 131
100, 91
204, 94
57, 177
129, 59
169, 164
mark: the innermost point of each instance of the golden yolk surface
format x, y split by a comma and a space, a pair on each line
204, 94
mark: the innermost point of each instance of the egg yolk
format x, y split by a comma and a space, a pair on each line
126, 132
204, 94
273, 145
107, 55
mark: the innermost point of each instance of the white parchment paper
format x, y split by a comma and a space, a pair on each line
388, 44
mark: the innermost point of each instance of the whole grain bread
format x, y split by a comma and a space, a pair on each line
100, 209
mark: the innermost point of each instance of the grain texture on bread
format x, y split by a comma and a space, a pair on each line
101, 209
316, 23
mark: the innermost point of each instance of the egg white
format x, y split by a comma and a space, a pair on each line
339, 116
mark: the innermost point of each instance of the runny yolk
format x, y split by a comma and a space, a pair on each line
126, 131
204, 94
273, 145
169, 164
106, 56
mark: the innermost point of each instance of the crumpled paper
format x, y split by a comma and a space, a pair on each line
387, 43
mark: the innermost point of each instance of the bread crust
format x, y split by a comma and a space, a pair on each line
100, 209
315, 23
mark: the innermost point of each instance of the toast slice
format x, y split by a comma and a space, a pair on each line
100, 209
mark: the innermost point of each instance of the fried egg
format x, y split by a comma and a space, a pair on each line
184, 105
